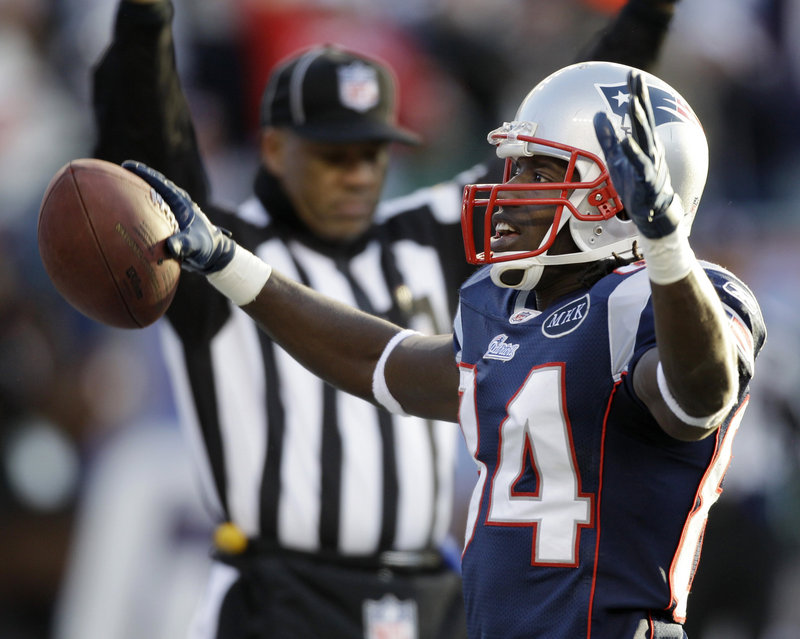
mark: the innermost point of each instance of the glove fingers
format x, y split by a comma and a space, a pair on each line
606, 136
176, 198
643, 119
635, 155
180, 245
640, 113
151, 176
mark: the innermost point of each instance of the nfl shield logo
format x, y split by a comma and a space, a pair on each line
358, 86
390, 618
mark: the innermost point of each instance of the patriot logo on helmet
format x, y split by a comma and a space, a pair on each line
667, 107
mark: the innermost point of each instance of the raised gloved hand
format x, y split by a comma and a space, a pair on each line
199, 245
203, 247
640, 174
637, 166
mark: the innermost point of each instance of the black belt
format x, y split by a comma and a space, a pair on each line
401, 560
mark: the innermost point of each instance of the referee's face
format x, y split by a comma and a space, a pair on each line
334, 187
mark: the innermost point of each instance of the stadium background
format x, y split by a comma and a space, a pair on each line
101, 531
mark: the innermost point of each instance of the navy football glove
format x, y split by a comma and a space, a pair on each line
637, 166
201, 246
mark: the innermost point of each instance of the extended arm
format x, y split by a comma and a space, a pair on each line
336, 342
689, 382
342, 345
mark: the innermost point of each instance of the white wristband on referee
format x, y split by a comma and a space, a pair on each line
243, 278
698, 422
669, 259
380, 391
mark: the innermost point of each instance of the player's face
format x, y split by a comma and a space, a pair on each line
522, 228
334, 187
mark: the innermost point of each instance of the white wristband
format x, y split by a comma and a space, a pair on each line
698, 422
243, 278
668, 259
379, 388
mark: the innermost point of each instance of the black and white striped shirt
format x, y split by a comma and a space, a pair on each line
284, 455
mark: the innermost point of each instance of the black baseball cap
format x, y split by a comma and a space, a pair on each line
330, 94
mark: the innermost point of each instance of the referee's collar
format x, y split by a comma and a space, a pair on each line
288, 224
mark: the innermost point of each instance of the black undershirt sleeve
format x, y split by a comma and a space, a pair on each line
140, 109
635, 37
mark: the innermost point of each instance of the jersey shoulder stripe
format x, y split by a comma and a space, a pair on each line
629, 298
746, 320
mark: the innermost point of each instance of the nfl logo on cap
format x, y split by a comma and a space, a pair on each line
358, 86
329, 94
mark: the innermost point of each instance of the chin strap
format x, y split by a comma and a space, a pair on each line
524, 274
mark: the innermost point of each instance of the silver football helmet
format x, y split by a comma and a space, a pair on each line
556, 119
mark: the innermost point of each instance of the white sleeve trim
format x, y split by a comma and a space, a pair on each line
698, 422
379, 388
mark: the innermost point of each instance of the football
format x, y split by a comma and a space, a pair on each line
101, 235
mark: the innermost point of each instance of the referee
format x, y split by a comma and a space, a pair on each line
331, 512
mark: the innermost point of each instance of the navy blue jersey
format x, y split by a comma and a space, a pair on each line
586, 519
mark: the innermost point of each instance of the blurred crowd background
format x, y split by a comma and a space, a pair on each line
101, 532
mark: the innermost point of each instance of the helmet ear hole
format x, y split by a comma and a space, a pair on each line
512, 277
623, 215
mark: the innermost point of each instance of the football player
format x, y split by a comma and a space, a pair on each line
597, 368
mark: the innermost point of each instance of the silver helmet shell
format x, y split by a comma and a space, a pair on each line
556, 119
